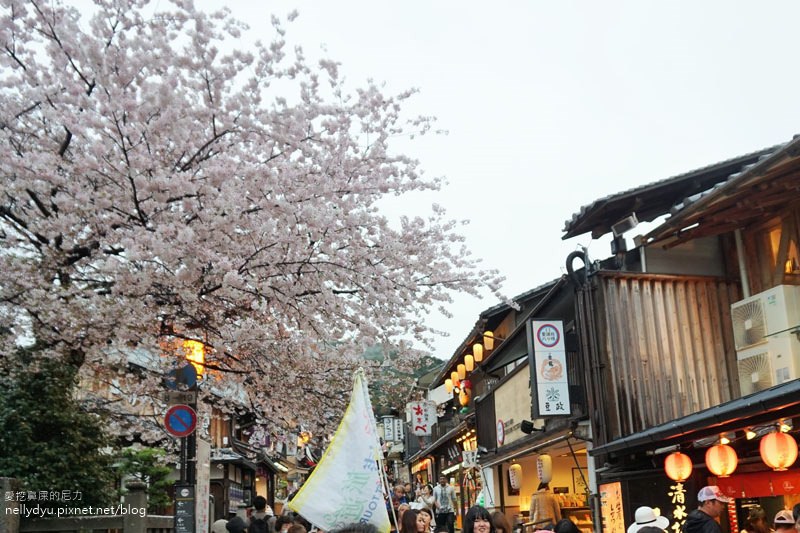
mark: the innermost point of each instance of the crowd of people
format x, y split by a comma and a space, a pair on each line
431, 509
438, 505
262, 520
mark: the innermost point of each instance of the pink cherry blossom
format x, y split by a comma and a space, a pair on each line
157, 188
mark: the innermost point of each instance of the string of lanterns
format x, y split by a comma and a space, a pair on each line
778, 450
458, 382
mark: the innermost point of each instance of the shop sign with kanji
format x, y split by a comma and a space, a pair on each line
550, 357
422, 416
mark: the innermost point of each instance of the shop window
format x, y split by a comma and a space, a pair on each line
787, 258
777, 258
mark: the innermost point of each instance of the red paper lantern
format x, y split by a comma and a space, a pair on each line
678, 466
721, 460
778, 450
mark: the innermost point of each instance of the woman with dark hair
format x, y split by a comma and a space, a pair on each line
501, 523
756, 521
426, 515
565, 525
426, 498
408, 522
478, 520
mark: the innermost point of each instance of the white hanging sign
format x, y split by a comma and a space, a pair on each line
550, 358
422, 416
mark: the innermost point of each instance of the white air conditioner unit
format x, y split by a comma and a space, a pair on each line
768, 364
767, 353
763, 314
755, 370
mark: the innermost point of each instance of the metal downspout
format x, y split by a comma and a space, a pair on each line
740, 255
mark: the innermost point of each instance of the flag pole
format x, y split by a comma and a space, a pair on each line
388, 489
384, 478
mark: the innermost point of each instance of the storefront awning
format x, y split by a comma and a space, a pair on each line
781, 401
228, 456
526, 446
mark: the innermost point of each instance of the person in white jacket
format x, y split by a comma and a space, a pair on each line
426, 498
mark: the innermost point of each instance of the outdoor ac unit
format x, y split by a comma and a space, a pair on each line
770, 363
755, 370
764, 314
767, 353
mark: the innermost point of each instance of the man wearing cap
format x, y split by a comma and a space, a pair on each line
647, 517
784, 521
712, 503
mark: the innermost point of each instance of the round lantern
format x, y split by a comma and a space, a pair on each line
515, 476
721, 460
678, 466
544, 468
778, 450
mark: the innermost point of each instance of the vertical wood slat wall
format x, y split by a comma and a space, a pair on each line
667, 347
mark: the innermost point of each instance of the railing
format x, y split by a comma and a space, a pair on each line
442, 427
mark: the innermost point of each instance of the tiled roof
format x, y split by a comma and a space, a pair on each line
656, 198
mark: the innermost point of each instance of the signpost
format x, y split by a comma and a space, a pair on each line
180, 420
185, 376
175, 397
184, 508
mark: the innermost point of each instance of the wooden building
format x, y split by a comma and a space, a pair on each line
691, 338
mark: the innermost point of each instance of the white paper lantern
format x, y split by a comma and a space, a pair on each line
515, 476
544, 467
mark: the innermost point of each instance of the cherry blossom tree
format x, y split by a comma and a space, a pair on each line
156, 187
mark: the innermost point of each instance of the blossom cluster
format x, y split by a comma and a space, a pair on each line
156, 188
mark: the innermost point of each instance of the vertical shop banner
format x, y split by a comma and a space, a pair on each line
399, 432
388, 429
393, 429
611, 509
422, 416
679, 512
346, 486
203, 473
550, 359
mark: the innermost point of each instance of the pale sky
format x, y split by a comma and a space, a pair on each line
550, 105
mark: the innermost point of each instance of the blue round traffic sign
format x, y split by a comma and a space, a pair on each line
180, 420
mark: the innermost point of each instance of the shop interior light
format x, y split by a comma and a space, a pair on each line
750, 434
723, 439
785, 426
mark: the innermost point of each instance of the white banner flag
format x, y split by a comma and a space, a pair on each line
345, 487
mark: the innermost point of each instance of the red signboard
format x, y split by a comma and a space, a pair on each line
760, 484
